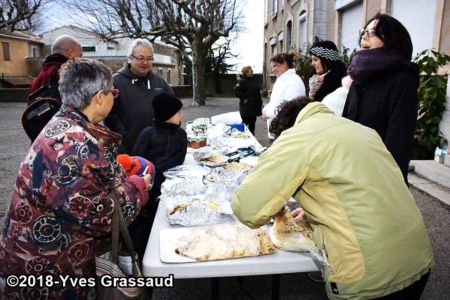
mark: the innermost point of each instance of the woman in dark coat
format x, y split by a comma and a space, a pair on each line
383, 95
250, 103
328, 70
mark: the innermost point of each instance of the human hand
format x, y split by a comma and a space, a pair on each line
299, 216
264, 116
148, 181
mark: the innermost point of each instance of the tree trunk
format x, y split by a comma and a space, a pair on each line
198, 75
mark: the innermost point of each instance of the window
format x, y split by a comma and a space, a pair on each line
289, 36
168, 76
6, 55
34, 52
281, 38
302, 32
88, 48
273, 43
274, 7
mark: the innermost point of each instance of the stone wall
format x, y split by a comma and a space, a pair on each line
14, 95
227, 83
182, 91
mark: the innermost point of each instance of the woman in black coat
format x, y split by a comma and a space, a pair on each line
383, 95
250, 103
328, 70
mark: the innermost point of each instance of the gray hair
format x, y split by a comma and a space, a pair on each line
64, 42
81, 79
138, 42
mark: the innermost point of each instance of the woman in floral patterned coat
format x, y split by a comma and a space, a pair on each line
61, 204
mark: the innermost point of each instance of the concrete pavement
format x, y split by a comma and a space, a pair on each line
432, 178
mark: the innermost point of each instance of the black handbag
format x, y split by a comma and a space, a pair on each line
44, 103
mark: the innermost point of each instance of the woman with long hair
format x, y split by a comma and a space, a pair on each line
383, 95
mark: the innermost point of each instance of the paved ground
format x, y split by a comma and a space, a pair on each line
13, 147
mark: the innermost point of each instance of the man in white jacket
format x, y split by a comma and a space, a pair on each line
288, 86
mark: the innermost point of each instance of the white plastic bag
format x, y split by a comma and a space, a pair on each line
233, 117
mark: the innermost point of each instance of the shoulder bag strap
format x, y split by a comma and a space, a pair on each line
115, 230
126, 238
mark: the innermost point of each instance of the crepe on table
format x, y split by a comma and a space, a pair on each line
225, 241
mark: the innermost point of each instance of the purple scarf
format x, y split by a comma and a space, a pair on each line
367, 62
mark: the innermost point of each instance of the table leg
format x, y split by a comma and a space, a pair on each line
275, 286
242, 291
215, 288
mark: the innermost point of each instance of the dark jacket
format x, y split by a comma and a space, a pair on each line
163, 144
250, 103
133, 110
387, 102
51, 64
332, 80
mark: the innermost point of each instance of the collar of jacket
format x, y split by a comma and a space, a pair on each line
55, 58
310, 110
163, 124
288, 73
96, 130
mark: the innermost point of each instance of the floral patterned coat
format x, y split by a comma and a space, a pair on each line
61, 205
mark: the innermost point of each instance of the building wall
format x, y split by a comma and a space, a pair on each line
444, 43
372, 8
18, 51
444, 46
320, 22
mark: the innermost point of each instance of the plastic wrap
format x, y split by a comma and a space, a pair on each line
186, 171
201, 200
196, 210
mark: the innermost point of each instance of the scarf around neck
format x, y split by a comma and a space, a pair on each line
366, 63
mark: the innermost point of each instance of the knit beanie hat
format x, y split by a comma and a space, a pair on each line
166, 106
325, 50
136, 165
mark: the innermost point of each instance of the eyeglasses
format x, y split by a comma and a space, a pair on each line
142, 59
115, 92
370, 32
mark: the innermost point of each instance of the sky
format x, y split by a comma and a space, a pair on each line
249, 45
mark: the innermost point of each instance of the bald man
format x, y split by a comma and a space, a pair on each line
63, 48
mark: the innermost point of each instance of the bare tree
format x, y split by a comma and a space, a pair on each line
192, 26
217, 61
18, 14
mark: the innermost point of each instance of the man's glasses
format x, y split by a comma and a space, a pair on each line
115, 92
370, 32
142, 59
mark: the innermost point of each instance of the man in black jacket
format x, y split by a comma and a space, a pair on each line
138, 86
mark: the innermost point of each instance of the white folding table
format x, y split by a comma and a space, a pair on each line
278, 263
